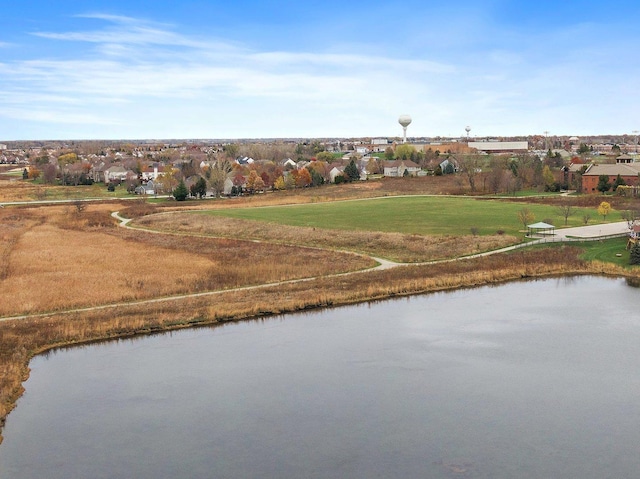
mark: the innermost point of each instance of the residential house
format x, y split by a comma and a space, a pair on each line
149, 188
117, 173
401, 168
449, 165
244, 160
228, 187
288, 162
97, 172
335, 171
151, 172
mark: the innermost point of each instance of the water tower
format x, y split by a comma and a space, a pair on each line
467, 129
405, 121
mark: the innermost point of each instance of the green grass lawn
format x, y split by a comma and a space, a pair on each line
606, 251
415, 215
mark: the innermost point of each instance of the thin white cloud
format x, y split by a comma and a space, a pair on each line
124, 30
56, 116
350, 61
145, 79
136, 63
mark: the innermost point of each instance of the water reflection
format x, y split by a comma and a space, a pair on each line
633, 282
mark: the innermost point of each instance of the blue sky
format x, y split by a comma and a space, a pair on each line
212, 69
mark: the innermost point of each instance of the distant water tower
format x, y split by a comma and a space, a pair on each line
467, 129
405, 121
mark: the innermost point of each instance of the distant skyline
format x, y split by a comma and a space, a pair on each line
211, 69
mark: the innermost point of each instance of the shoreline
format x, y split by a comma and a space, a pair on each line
31, 337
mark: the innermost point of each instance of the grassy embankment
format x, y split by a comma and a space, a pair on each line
59, 251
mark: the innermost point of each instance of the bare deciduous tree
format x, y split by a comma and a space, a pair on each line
525, 216
220, 171
469, 166
565, 210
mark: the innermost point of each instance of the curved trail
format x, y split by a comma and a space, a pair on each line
567, 234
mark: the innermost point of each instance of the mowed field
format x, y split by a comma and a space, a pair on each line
421, 215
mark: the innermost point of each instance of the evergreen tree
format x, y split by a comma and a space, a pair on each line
180, 193
316, 178
351, 171
634, 254
603, 184
619, 181
199, 188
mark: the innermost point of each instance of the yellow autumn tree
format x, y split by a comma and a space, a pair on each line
604, 209
279, 184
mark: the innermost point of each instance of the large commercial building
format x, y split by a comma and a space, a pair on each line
628, 172
500, 146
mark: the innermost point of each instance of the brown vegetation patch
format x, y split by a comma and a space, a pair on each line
138, 208
396, 246
48, 265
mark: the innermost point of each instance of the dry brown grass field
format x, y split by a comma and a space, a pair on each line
54, 258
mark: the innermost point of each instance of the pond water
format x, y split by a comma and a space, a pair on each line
528, 380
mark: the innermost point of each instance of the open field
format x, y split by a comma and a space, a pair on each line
423, 215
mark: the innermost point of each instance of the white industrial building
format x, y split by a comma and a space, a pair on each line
499, 146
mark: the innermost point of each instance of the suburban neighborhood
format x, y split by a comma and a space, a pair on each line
590, 165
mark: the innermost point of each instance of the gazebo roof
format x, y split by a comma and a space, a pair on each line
540, 226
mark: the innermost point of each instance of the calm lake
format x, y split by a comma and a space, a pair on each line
525, 380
